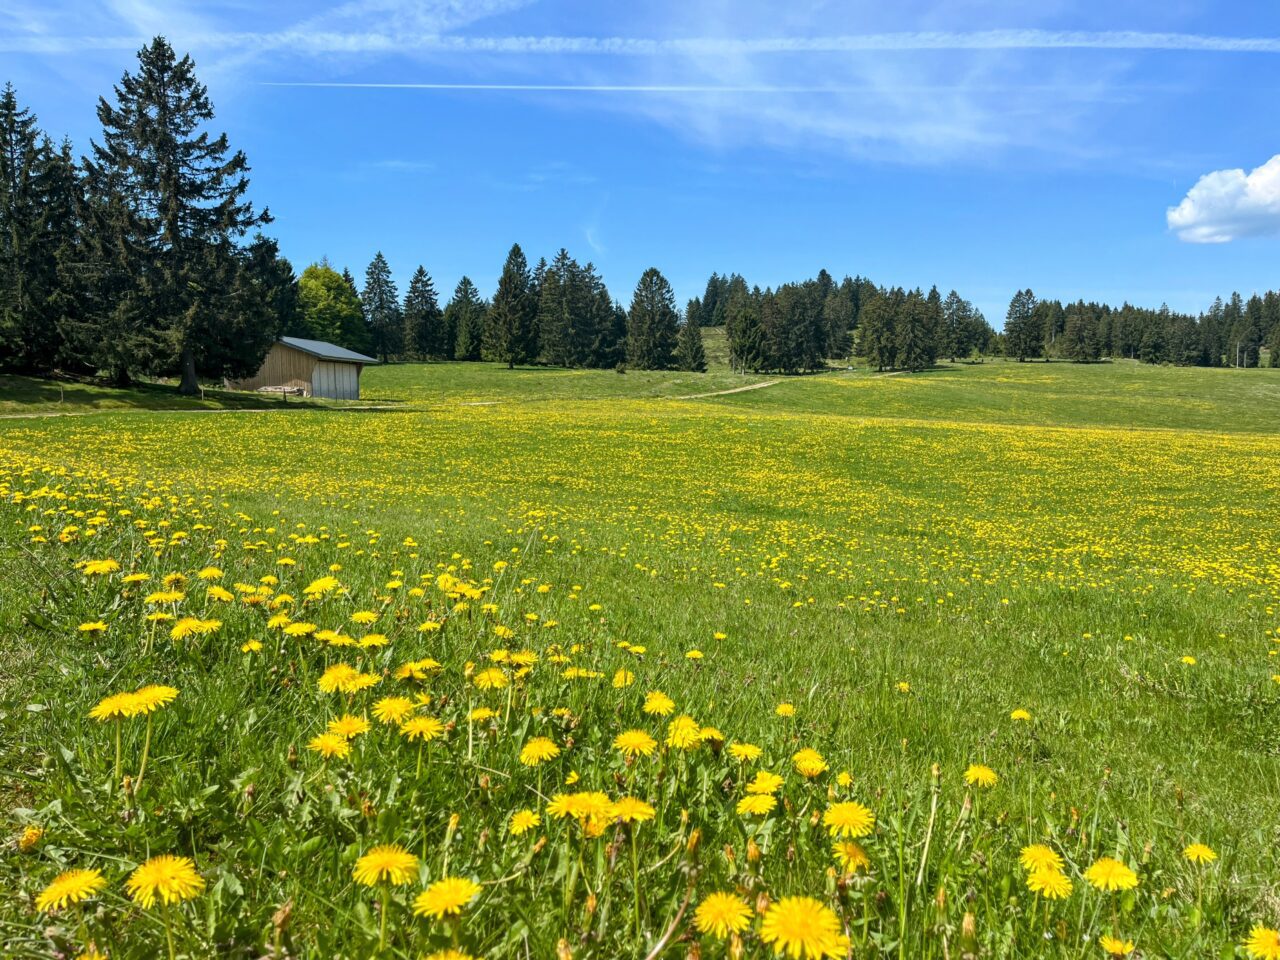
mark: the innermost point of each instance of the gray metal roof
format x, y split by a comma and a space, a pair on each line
326, 351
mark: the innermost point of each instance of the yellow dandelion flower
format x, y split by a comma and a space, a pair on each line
29, 837
1020, 714
523, 821
386, 863
1108, 874
166, 878
70, 887
330, 745
1039, 856
538, 750
658, 703
756, 805
348, 726
392, 709
745, 752
980, 775
94, 626
632, 810
809, 763
623, 678
425, 729
722, 914
850, 855
1200, 853
765, 783
683, 733
1115, 946
1049, 883
785, 710
1263, 943
848, 819
634, 743
152, 697
491, 679
803, 928
445, 897
113, 707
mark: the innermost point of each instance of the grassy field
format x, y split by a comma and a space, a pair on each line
887, 584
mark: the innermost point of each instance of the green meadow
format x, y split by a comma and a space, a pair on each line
1006, 607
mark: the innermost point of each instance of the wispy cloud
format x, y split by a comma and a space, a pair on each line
317, 36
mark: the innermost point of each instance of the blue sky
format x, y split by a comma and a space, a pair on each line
1116, 150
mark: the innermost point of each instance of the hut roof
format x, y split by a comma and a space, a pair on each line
326, 351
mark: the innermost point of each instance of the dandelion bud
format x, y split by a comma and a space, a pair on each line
969, 928
762, 903
735, 947
291, 758
563, 952
694, 839
537, 847
729, 855
940, 901
485, 781
753, 851
591, 904
280, 919
453, 822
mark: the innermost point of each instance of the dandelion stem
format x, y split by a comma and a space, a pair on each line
635, 876
117, 779
382, 923
146, 749
168, 928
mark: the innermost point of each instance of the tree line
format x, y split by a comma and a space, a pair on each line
1230, 333
145, 258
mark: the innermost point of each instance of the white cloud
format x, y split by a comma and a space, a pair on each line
1227, 204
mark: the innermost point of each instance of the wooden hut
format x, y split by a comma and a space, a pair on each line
310, 368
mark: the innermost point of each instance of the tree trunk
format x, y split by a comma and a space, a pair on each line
190, 385
120, 377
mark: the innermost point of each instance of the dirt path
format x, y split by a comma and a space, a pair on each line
721, 393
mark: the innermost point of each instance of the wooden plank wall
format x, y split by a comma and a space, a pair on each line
283, 367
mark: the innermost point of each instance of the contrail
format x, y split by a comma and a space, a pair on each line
653, 88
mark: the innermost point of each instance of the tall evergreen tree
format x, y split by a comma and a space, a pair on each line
509, 333
1023, 333
37, 219
465, 315
652, 323
424, 327
273, 277
185, 195
381, 303
690, 353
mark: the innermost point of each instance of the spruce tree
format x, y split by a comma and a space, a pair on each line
1023, 334
509, 334
184, 191
36, 186
465, 315
742, 326
690, 354
652, 323
381, 303
424, 327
